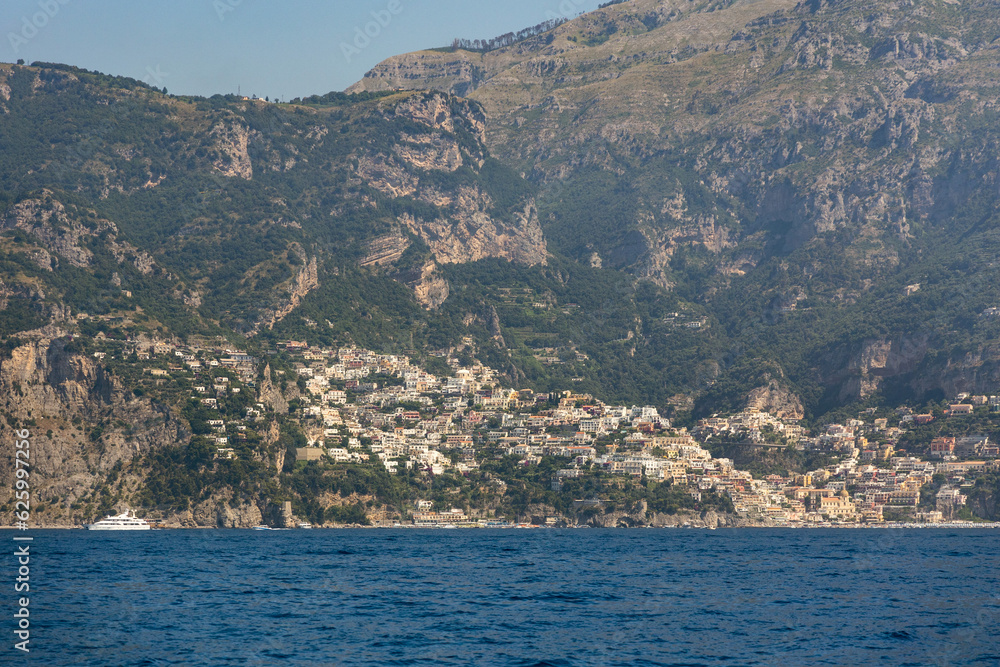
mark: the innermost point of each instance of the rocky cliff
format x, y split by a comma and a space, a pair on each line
682, 519
466, 225
85, 429
821, 116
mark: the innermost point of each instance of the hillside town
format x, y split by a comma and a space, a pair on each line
359, 407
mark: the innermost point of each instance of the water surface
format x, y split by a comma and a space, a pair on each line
514, 597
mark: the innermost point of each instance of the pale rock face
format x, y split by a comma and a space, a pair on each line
432, 289
49, 223
471, 234
32, 292
467, 228
437, 111
387, 176
271, 396
231, 140
218, 513
431, 152
777, 400
44, 382
65, 236
708, 519
454, 75
660, 244
191, 299
304, 282
385, 249
882, 358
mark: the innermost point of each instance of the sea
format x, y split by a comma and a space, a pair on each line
510, 597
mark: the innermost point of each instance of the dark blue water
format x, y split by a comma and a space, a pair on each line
512, 597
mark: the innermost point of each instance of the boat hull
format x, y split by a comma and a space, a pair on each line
94, 526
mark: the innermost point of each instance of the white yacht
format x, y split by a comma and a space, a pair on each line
127, 520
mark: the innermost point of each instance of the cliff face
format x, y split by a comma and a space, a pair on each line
90, 436
82, 425
462, 221
66, 235
429, 287
882, 358
218, 512
455, 73
306, 279
471, 233
777, 400
814, 117
231, 141
270, 396
685, 519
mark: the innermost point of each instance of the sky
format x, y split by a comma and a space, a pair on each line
266, 48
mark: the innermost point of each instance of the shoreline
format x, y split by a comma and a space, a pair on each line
907, 526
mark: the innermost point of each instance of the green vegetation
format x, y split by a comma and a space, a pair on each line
763, 462
723, 266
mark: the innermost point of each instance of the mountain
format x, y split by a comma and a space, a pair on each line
819, 177
697, 205
383, 217
234, 209
132, 221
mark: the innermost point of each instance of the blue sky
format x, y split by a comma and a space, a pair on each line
263, 47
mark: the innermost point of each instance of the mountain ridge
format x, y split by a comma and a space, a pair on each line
829, 145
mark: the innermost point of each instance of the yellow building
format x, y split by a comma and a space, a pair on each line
839, 506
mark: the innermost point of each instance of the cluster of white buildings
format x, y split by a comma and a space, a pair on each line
434, 416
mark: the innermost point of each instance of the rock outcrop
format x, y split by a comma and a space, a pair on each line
47, 220
777, 400
306, 279
431, 289
864, 155
218, 512
882, 358
231, 141
83, 425
270, 395
470, 233
469, 226
681, 519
